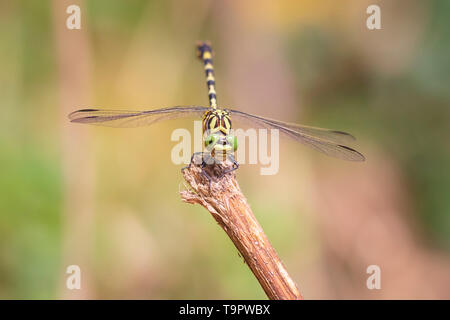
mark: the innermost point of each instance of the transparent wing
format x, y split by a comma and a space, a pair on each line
121, 118
325, 134
330, 142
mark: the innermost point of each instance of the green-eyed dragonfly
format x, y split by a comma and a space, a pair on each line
216, 123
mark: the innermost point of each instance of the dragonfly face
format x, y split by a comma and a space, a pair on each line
217, 131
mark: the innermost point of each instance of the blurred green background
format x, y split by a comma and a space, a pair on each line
107, 199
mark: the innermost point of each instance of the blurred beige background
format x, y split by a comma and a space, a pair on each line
106, 199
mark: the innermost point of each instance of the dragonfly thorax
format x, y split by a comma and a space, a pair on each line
217, 120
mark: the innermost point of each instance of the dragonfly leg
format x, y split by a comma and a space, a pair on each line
192, 160
206, 174
233, 168
206, 159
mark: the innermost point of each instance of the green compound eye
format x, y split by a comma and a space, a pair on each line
232, 140
211, 140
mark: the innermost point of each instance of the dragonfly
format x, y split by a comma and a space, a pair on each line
217, 124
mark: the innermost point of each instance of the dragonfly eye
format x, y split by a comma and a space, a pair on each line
232, 140
211, 140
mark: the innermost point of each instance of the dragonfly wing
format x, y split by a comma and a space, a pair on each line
335, 136
326, 141
332, 149
326, 134
120, 118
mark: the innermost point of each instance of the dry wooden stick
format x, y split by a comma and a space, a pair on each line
226, 203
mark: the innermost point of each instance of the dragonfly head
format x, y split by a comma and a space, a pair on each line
219, 143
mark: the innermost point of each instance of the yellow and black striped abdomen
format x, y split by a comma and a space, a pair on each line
217, 121
204, 52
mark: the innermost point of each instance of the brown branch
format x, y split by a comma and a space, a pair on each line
226, 203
